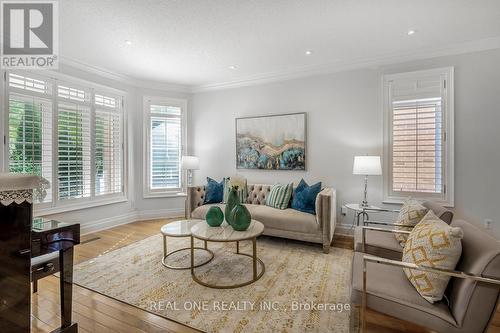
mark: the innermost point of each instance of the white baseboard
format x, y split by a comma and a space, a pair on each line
110, 222
159, 214
344, 229
138, 215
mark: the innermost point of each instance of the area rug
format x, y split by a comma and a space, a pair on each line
302, 289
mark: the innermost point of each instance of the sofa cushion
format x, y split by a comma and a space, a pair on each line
377, 243
201, 212
444, 214
432, 243
410, 214
304, 197
286, 219
258, 193
214, 191
390, 292
280, 196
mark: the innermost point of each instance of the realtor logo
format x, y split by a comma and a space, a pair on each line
29, 33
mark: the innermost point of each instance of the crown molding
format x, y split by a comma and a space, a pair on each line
306, 71
341, 66
157, 85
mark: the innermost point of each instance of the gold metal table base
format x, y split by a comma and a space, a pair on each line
256, 275
166, 255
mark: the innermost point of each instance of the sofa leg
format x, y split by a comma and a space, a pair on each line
326, 248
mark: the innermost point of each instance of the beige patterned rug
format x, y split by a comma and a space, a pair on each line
302, 290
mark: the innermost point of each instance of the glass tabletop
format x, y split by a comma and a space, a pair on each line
42, 224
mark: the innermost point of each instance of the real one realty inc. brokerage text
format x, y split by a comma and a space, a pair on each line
247, 306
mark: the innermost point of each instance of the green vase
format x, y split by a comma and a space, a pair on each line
214, 216
232, 201
240, 217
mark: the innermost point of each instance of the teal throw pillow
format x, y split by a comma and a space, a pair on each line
304, 197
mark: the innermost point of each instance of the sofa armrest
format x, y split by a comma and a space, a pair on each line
195, 197
326, 215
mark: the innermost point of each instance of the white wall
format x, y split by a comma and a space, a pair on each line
136, 207
345, 119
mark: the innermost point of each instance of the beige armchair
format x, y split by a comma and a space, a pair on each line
379, 242
473, 290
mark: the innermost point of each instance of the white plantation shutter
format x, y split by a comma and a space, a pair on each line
420, 160
108, 145
73, 151
417, 146
164, 146
30, 128
68, 134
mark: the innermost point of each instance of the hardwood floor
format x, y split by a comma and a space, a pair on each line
97, 313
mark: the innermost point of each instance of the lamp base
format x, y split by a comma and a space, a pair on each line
364, 203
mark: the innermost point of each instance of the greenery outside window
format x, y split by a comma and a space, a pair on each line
70, 134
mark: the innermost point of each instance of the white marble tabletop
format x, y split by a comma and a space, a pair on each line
180, 228
225, 233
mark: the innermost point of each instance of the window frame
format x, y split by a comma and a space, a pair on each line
447, 94
147, 191
54, 78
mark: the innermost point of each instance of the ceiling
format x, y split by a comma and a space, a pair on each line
194, 42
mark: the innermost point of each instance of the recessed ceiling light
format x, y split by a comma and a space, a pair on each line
128, 42
232, 67
411, 32
309, 52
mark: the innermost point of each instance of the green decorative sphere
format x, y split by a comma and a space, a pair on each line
214, 216
240, 217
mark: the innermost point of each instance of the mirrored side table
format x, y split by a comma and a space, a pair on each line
360, 211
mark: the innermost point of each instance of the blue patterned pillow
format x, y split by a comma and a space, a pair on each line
214, 191
304, 197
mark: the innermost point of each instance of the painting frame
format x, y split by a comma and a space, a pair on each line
304, 147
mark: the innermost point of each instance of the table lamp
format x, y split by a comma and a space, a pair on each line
366, 166
190, 163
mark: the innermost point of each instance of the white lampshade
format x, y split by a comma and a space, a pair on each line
190, 163
367, 165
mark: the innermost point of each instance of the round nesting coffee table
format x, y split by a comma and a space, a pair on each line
225, 233
181, 229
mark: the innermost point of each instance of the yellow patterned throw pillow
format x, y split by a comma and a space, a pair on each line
410, 214
432, 243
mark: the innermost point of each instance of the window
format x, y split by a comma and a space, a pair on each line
419, 136
30, 136
73, 143
108, 145
163, 146
70, 134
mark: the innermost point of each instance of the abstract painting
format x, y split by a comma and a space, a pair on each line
276, 142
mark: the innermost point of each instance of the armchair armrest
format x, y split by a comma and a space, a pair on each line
383, 261
387, 223
363, 234
451, 273
382, 210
